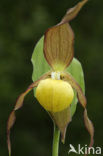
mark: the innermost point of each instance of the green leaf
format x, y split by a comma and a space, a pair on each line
40, 66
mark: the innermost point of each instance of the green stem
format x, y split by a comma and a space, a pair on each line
56, 141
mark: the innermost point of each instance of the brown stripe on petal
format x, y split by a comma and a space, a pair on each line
58, 46
82, 100
72, 12
18, 105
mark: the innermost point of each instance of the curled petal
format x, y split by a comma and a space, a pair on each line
18, 105
89, 126
72, 12
75, 85
67, 77
58, 41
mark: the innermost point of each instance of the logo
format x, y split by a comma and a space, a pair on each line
85, 150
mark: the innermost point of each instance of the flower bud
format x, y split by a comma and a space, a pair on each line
54, 95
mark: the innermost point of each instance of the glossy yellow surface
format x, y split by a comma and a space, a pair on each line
54, 95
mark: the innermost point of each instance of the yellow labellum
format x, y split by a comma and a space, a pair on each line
54, 95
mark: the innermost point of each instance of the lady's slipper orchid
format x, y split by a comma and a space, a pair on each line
55, 88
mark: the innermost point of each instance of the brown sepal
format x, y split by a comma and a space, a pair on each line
59, 39
58, 46
62, 119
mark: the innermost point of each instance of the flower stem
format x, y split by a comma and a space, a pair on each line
56, 141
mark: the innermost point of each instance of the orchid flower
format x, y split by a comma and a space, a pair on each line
55, 89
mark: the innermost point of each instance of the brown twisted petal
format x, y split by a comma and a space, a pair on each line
18, 105
72, 12
82, 100
58, 41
